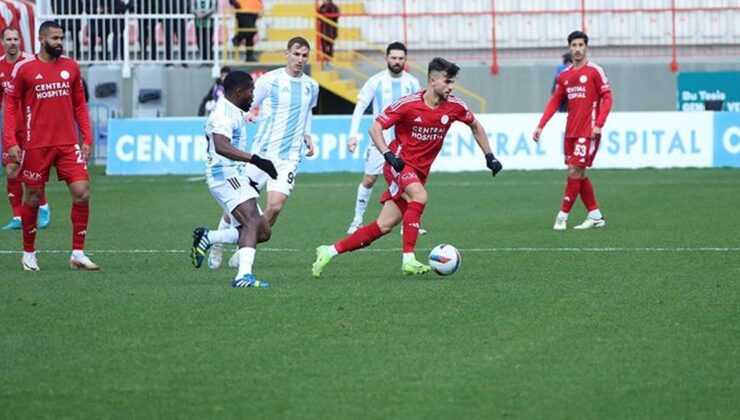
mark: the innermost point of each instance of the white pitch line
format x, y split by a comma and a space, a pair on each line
525, 249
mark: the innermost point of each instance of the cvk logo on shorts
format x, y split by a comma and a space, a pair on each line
407, 176
31, 176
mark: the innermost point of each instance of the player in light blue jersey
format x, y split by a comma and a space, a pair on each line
380, 90
285, 97
226, 176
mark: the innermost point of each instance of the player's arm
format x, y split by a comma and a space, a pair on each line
376, 134
12, 107
364, 98
480, 136
606, 107
552, 106
307, 139
261, 90
81, 115
224, 148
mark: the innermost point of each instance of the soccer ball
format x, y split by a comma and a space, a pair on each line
444, 259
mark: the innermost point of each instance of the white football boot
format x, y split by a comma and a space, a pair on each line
215, 257
82, 262
590, 223
234, 260
561, 223
29, 261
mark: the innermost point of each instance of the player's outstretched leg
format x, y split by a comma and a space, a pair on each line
215, 257
201, 245
411, 221
323, 258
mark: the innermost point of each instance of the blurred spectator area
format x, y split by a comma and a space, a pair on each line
482, 31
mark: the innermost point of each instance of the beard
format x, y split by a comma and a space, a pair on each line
55, 52
395, 68
244, 104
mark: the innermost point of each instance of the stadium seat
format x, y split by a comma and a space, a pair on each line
469, 29
528, 28
628, 4
503, 33
415, 29
476, 6
655, 28
506, 5
622, 28
686, 27
445, 6
572, 5
595, 26
416, 6
714, 26
560, 25
383, 29
383, 6
736, 26
439, 29
533, 5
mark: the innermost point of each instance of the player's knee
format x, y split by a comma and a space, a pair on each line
368, 181
264, 233
33, 197
81, 197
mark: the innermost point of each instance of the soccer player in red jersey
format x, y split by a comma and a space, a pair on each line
47, 90
589, 101
421, 121
11, 40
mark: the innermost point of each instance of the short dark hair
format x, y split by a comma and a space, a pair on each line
301, 41
6, 29
49, 24
237, 80
578, 35
225, 69
567, 58
396, 46
442, 65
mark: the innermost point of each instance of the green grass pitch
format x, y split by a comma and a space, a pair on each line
638, 320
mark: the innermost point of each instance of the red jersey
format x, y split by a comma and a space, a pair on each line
420, 130
589, 99
6, 71
50, 98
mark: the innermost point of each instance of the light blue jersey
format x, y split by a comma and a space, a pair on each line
382, 89
285, 114
229, 121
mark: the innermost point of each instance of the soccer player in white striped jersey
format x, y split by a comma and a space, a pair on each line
226, 176
285, 97
380, 90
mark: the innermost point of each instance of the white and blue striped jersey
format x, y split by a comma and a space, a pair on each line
381, 89
285, 114
229, 121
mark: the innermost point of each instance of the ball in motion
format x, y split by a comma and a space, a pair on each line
444, 259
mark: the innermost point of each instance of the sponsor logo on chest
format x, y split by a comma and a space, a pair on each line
578, 89
52, 89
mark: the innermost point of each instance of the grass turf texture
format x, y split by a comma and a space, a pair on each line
643, 324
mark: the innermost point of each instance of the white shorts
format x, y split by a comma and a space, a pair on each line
285, 182
374, 161
232, 192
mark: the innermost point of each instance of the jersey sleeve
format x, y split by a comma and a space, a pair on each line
221, 124
11, 110
364, 98
261, 90
554, 103
82, 115
602, 81
393, 113
463, 113
314, 95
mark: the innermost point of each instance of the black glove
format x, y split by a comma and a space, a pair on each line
265, 165
396, 162
493, 164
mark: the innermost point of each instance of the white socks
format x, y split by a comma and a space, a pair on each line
408, 256
332, 251
224, 236
595, 214
223, 224
246, 259
562, 215
363, 197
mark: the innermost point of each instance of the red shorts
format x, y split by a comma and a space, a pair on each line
36, 164
397, 182
580, 151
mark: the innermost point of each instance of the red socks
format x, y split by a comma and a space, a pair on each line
363, 237
411, 223
43, 199
587, 195
29, 216
80, 215
15, 195
572, 189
